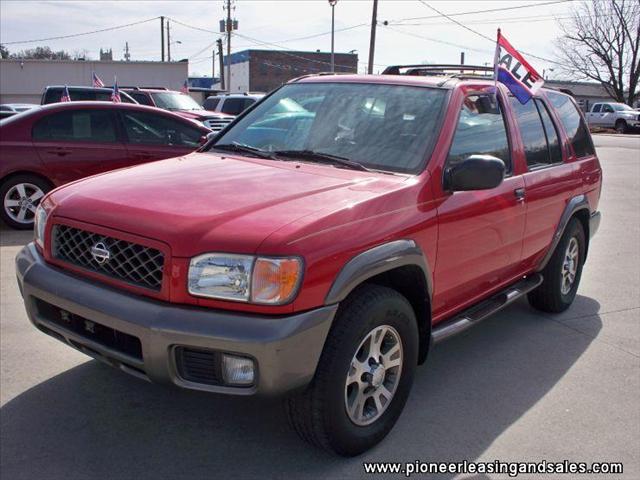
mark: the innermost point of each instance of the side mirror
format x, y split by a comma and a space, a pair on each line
211, 136
476, 172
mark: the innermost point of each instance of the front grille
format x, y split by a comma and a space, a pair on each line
130, 262
85, 328
217, 124
199, 366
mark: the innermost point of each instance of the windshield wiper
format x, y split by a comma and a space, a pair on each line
322, 157
242, 148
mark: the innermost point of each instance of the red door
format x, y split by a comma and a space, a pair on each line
480, 232
78, 143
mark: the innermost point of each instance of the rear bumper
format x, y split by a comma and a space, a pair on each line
285, 349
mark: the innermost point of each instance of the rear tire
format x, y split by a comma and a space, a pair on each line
20, 195
563, 272
371, 323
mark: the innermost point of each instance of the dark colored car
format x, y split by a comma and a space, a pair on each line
180, 104
319, 254
53, 94
56, 144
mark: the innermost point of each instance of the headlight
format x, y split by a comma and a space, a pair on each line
245, 278
40, 224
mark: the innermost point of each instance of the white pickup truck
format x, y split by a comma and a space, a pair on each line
614, 115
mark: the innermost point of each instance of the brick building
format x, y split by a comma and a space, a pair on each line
264, 70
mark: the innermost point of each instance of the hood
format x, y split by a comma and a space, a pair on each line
210, 202
201, 114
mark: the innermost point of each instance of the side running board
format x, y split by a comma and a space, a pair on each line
484, 309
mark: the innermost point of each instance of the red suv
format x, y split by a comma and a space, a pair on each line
320, 254
58, 143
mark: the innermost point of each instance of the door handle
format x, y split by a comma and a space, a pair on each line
61, 152
519, 194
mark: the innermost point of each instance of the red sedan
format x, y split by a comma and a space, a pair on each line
58, 143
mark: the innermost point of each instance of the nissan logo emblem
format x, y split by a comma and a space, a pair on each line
100, 253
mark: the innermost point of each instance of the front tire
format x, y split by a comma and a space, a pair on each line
563, 272
364, 375
621, 126
20, 195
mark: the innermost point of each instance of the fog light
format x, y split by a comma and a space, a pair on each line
237, 370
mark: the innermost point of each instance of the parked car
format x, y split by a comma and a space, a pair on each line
10, 109
320, 259
53, 94
181, 104
614, 115
231, 103
56, 144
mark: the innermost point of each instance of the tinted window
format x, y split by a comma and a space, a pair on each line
532, 132
553, 139
5, 109
607, 108
481, 130
141, 98
575, 127
388, 127
78, 126
233, 106
149, 129
596, 109
211, 103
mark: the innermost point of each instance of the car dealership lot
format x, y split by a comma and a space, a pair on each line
520, 387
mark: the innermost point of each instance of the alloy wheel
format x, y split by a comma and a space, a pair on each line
569, 266
20, 202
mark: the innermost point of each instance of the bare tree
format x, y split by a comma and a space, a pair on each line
600, 42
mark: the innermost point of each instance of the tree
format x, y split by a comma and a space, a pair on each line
41, 53
4, 52
601, 42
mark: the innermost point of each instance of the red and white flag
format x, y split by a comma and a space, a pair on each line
185, 87
115, 94
514, 71
97, 82
65, 95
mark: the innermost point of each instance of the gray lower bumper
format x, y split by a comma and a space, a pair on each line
285, 349
594, 223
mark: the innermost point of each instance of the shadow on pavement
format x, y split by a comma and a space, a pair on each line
92, 421
13, 238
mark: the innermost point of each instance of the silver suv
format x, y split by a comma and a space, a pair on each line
231, 103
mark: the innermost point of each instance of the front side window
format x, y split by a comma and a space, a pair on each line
607, 108
386, 127
76, 126
233, 106
480, 131
144, 128
211, 103
573, 124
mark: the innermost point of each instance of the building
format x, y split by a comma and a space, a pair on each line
585, 93
264, 70
106, 55
23, 81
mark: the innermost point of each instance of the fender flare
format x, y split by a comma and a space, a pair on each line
577, 203
379, 259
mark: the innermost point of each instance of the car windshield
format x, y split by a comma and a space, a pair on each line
382, 127
619, 107
175, 101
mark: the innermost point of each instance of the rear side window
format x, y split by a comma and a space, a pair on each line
596, 109
145, 128
78, 126
539, 136
575, 127
141, 98
481, 131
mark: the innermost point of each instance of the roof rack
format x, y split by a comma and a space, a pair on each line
441, 70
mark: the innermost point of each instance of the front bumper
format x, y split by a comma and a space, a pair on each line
285, 349
594, 223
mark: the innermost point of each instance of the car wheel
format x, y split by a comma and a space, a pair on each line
364, 375
20, 196
621, 126
562, 273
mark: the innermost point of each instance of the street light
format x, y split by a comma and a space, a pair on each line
333, 7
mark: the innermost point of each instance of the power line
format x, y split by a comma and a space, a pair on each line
81, 34
465, 47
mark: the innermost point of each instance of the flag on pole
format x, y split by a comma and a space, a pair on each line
185, 87
96, 80
115, 94
65, 95
512, 70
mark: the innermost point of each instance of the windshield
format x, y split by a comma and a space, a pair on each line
619, 107
384, 127
175, 101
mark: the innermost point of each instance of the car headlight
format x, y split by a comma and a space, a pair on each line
40, 224
245, 278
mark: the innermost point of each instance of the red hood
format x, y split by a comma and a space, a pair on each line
208, 202
201, 114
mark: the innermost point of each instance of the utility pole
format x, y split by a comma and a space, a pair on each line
222, 82
333, 23
162, 37
127, 55
213, 64
229, 28
461, 58
168, 43
372, 40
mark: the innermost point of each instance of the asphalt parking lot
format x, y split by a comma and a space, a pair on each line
522, 386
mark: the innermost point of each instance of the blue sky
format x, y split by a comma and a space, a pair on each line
268, 24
